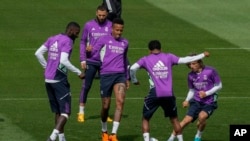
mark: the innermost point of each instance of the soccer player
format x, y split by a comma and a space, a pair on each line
93, 29
59, 48
113, 75
204, 84
114, 8
159, 68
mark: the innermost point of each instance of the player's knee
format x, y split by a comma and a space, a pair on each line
203, 116
65, 115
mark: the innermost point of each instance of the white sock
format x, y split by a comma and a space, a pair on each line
54, 134
145, 136
81, 109
180, 137
61, 137
115, 127
104, 126
198, 134
171, 138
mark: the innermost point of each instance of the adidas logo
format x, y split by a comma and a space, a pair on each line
159, 66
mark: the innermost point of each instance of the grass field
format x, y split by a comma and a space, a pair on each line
220, 27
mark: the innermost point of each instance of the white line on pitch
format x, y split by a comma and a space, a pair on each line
131, 98
229, 48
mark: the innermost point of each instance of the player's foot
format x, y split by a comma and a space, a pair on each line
80, 117
49, 139
113, 137
197, 139
105, 136
109, 119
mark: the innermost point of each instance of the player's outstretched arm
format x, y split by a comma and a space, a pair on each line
133, 70
206, 53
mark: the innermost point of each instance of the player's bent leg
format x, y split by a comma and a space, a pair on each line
176, 125
201, 124
119, 90
62, 121
145, 125
186, 120
105, 108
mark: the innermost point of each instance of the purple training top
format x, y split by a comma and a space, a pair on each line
57, 44
159, 67
91, 32
204, 81
113, 54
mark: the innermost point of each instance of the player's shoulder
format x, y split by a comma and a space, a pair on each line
209, 68
90, 23
108, 22
57, 36
122, 39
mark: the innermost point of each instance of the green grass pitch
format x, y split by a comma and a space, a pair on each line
182, 27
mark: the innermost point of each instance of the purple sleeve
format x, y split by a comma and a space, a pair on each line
47, 42
83, 43
216, 77
140, 62
174, 58
190, 83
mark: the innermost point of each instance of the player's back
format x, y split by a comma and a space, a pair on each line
56, 44
159, 67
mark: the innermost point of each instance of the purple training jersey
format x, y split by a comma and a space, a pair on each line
91, 32
159, 67
113, 54
57, 44
204, 81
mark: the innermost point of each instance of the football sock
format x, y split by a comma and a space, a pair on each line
61, 137
115, 127
104, 126
145, 136
198, 134
54, 134
179, 137
171, 138
81, 109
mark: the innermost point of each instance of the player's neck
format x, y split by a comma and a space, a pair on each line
155, 51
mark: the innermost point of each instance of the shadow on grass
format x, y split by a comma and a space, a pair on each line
1, 120
212, 140
128, 137
98, 117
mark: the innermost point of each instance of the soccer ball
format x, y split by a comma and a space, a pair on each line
153, 139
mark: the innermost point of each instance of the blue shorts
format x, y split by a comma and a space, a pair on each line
152, 103
59, 97
107, 82
196, 107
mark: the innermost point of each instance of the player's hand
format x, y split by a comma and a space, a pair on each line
82, 75
202, 94
127, 84
89, 48
185, 104
83, 65
207, 54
